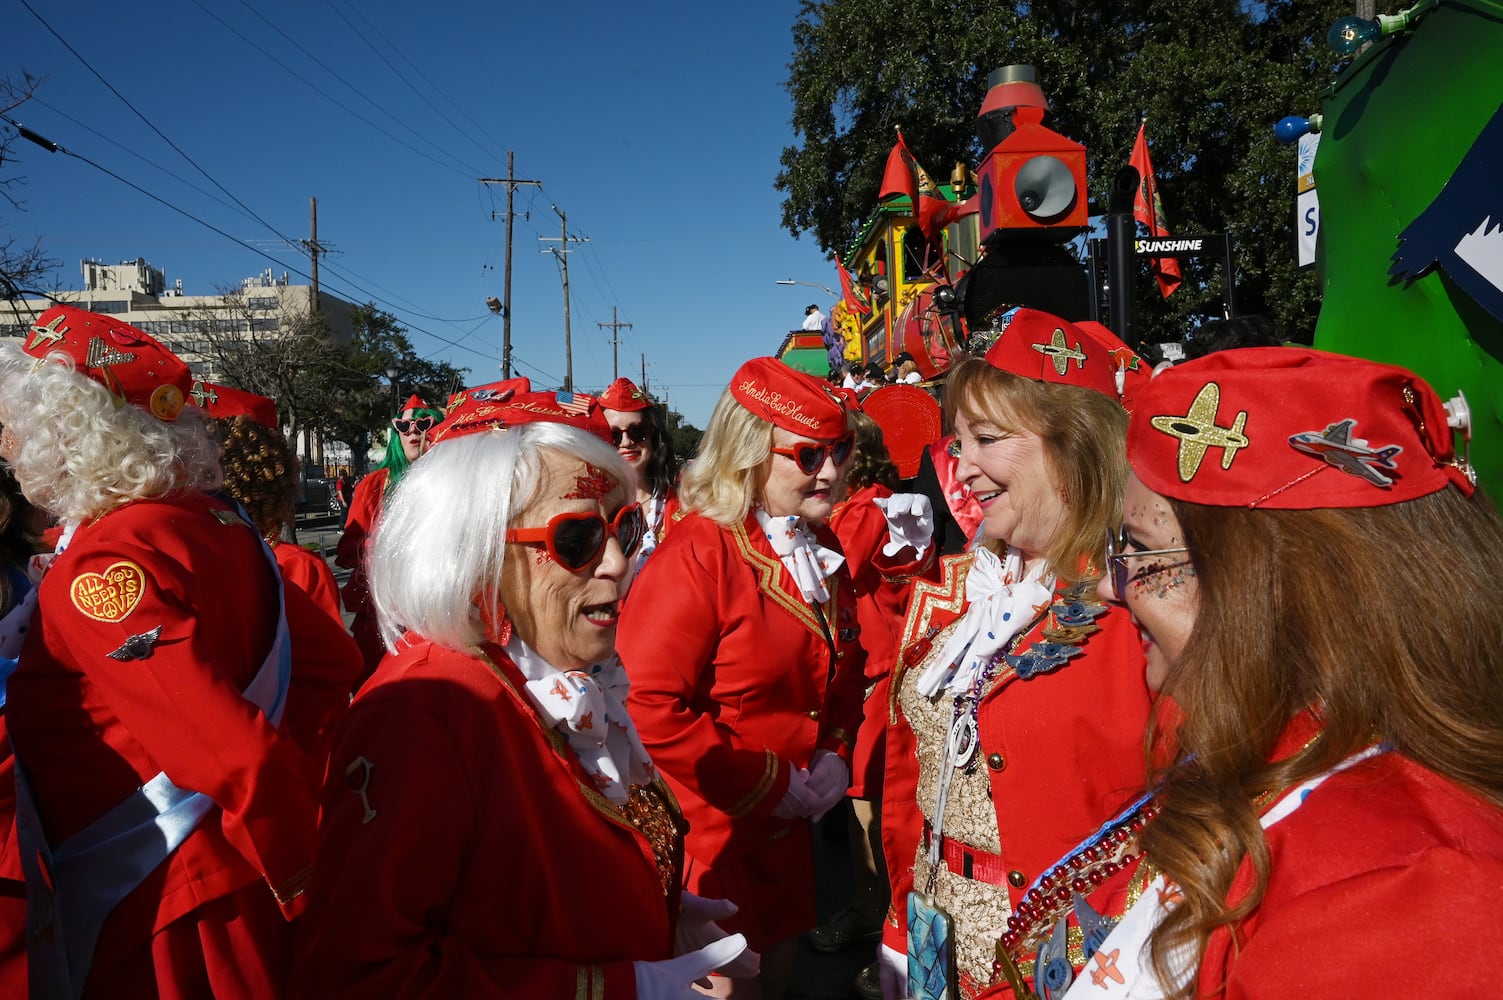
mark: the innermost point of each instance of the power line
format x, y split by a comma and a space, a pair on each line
98, 76
461, 169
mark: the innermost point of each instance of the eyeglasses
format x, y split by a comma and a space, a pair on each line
637, 433
810, 457
423, 424
1117, 556
575, 540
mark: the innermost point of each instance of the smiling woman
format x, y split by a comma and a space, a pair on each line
488, 790
1022, 694
741, 640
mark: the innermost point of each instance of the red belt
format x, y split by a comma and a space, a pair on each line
967, 861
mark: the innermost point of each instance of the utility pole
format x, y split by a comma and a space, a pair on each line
644, 372
562, 252
511, 189
615, 341
314, 248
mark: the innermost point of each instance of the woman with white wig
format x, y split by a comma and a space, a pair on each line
492, 825
166, 823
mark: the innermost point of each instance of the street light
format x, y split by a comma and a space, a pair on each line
392, 373
811, 284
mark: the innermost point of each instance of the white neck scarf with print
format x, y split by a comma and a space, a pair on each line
808, 561
589, 708
1001, 602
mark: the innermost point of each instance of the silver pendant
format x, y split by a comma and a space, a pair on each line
964, 739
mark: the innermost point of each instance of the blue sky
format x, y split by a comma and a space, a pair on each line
656, 128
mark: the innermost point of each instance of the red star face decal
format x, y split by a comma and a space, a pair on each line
594, 485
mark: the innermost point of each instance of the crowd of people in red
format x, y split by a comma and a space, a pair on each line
1202, 699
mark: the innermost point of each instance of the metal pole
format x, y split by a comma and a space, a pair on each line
1121, 267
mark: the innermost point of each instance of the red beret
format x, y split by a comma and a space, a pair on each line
1043, 347
623, 394
573, 408
1293, 429
790, 399
133, 365
224, 402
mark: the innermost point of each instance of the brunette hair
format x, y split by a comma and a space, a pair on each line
871, 462
660, 472
260, 471
1084, 435
1382, 620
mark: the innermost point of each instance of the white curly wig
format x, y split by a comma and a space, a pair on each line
440, 545
78, 453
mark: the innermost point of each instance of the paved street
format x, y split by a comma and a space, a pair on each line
817, 976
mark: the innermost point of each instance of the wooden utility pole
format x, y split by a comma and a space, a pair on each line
616, 328
644, 372
511, 189
314, 248
562, 252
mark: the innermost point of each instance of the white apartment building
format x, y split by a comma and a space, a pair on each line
137, 293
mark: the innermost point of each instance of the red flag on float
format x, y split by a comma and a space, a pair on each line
854, 303
899, 177
905, 177
1147, 209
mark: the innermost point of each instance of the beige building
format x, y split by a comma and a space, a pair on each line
137, 292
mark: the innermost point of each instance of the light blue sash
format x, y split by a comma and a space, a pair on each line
72, 888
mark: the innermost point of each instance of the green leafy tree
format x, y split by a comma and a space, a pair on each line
683, 435
1212, 76
364, 398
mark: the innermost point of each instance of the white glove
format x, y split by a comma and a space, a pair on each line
799, 801
910, 521
829, 777
892, 966
697, 928
672, 978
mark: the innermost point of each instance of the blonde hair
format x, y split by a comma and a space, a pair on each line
726, 477
438, 552
1084, 435
81, 453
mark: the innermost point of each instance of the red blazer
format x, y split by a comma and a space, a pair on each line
326, 662
882, 587
91, 729
1070, 743
311, 574
733, 683
365, 511
463, 852
1375, 854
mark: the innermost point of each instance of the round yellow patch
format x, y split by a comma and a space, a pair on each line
166, 402
109, 596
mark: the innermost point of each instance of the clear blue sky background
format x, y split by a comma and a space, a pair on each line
655, 127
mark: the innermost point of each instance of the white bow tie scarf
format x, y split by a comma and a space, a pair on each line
808, 561
589, 709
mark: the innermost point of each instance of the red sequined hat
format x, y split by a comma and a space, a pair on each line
1042, 346
477, 408
133, 365
224, 402
1293, 429
573, 408
623, 394
790, 399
